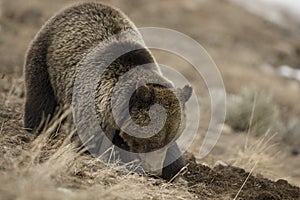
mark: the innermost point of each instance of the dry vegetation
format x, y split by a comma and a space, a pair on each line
259, 105
50, 167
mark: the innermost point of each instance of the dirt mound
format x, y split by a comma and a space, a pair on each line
224, 182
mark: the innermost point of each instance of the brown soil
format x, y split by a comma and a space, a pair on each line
224, 182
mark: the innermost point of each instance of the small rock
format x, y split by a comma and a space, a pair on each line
220, 163
180, 181
295, 152
227, 129
281, 182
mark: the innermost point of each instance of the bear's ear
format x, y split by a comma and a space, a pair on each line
145, 94
185, 93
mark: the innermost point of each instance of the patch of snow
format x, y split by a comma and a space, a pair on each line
290, 6
289, 72
277, 11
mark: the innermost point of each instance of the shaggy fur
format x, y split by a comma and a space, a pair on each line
80, 36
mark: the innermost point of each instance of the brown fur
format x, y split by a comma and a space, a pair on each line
53, 60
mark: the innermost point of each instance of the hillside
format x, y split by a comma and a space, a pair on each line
261, 134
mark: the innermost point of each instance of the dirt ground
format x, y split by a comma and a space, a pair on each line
240, 43
227, 180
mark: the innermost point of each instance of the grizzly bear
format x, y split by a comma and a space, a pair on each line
84, 35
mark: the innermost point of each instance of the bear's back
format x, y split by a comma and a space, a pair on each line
79, 28
70, 35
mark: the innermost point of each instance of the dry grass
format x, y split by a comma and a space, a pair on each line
258, 156
57, 171
249, 110
51, 167
254, 115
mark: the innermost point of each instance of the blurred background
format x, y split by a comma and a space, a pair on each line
255, 44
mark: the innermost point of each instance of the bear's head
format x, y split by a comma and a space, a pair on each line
152, 150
